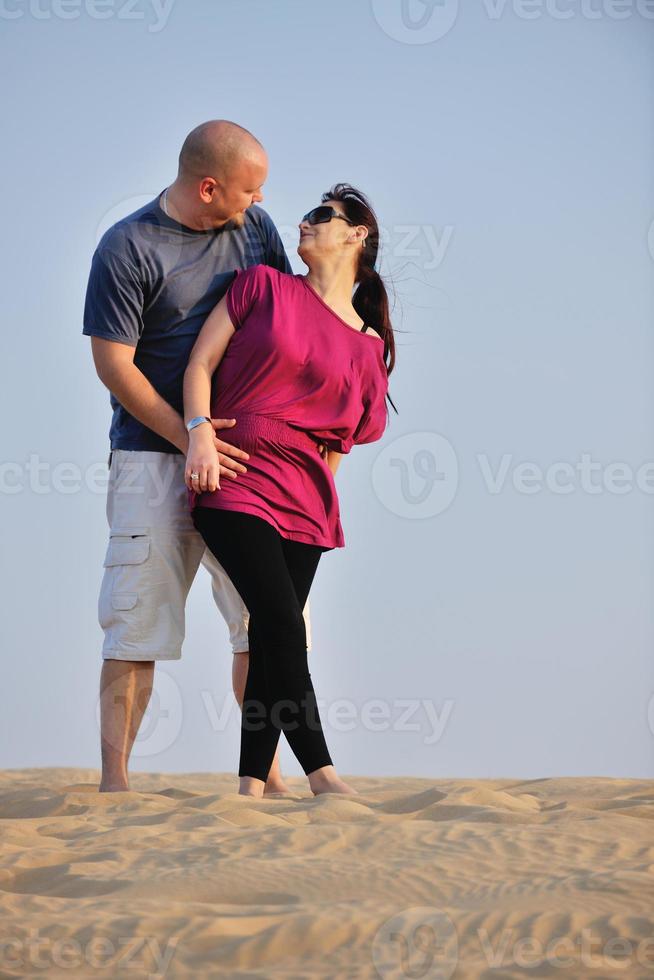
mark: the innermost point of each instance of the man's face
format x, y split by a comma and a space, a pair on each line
233, 196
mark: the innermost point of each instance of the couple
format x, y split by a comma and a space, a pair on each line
297, 368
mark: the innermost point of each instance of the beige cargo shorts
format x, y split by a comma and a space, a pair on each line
152, 557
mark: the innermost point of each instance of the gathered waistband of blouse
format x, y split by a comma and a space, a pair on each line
251, 424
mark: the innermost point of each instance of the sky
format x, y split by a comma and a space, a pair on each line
491, 613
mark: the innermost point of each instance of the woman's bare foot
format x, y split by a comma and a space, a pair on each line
325, 780
274, 786
249, 786
275, 782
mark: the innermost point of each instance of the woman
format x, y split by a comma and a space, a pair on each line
300, 364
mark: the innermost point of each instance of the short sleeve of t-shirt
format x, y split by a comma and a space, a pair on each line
243, 293
375, 417
113, 308
372, 423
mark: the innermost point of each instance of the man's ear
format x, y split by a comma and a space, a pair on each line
207, 188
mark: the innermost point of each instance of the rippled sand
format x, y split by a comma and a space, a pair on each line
420, 878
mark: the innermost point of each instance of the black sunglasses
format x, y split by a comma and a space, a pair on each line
323, 213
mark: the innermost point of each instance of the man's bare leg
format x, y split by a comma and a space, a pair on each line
125, 689
240, 664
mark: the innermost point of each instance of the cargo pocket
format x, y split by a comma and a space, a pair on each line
124, 579
127, 546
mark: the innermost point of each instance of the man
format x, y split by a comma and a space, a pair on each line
154, 278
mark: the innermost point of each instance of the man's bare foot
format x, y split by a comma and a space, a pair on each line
325, 780
113, 786
250, 786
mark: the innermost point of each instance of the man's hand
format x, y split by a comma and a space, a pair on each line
228, 455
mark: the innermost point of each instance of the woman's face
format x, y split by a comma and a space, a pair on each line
329, 237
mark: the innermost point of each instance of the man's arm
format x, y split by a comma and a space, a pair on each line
114, 364
113, 318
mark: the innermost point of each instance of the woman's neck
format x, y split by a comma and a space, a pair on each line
333, 282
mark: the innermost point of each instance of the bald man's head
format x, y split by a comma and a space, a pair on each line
222, 170
216, 149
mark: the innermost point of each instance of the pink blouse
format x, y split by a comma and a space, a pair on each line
294, 374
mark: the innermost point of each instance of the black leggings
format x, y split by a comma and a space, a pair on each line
273, 576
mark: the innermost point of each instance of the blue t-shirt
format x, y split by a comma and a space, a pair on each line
152, 284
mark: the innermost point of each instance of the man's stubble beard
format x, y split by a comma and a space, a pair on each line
236, 221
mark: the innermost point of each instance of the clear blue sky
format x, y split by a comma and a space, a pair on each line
509, 158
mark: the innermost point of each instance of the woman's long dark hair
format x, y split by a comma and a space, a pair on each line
370, 298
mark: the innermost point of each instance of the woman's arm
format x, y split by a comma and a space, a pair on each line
207, 353
333, 460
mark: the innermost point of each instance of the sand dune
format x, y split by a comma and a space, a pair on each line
420, 878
